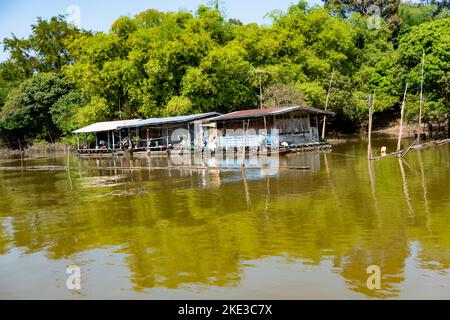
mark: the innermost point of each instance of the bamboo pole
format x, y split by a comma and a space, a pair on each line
369, 145
400, 134
68, 167
404, 153
246, 190
326, 105
405, 188
21, 153
372, 178
425, 192
421, 98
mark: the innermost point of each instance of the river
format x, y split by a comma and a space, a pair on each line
138, 229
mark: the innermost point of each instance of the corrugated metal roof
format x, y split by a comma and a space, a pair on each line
105, 126
257, 113
171, 120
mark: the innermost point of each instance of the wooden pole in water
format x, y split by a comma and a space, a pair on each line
421, 98
400, 134
369, 145
68, 156
21, 154
326, 105
68, 167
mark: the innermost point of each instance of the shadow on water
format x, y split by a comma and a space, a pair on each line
143, 227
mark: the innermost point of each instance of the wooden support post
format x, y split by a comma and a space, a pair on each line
402, 114
317, 126
265, 129
109, 141
120, 139
130, 146
167, 137
369, 145
137, 137
148, 139
188, 145
113, 141
96, 141
78, 142
326, 106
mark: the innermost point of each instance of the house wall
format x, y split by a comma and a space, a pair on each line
157, 136
295, 128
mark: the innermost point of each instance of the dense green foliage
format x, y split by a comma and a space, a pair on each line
164, 64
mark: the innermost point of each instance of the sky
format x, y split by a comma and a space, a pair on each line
16, 16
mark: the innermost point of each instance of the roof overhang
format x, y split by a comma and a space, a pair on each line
105, 126
260, 113
157, 122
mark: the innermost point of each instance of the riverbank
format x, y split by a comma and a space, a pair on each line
39, 148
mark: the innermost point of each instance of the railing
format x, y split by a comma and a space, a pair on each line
241, 141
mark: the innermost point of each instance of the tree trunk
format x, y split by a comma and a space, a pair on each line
448, 126
447, 102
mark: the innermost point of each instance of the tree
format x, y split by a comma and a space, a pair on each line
46, 49
433, 38
178, 106
221, 82
283, 95
27, 113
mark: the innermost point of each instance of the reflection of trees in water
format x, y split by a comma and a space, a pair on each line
180, 232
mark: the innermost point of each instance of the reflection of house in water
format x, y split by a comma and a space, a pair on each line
228, 167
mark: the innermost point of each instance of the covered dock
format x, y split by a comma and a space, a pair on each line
103, 137
158, 134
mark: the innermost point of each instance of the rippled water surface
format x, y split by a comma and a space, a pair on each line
140, 230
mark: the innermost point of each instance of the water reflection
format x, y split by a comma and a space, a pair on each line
204, 232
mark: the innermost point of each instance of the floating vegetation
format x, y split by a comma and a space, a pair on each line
103, 181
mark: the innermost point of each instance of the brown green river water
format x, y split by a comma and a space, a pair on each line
141, 231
